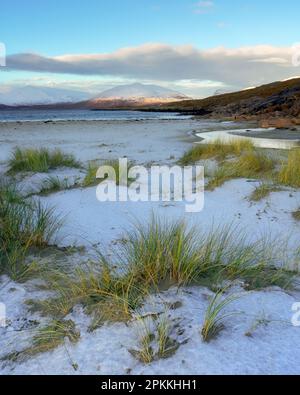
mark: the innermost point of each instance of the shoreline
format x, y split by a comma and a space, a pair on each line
58, 121
269, 138
90, 140
273, 133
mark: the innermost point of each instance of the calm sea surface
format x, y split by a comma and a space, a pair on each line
81, 115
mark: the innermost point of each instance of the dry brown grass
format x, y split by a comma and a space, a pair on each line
290, 170
217, 149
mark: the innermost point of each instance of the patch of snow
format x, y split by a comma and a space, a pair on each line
29, 95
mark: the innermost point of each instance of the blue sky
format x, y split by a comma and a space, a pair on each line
56, 27
52, 28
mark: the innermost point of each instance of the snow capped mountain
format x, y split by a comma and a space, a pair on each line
29, 95
134, 95
118, 97
140, 91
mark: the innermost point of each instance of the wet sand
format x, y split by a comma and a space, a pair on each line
286, 134
262, 138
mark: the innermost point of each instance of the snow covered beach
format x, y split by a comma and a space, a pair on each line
264, 319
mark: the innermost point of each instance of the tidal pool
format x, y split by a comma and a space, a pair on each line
242, 134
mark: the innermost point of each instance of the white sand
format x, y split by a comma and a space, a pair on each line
89, 140
272, 349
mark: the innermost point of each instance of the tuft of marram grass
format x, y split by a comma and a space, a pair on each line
40, 160
252, 164
162, 253
256, 164
215, 315
156, 339
165, 253
263, 190
54, 184
217, 149
24, 223
221, 175
290, 171
47, 339
296, 215
263, 277
91, 179
260, 321
154, 257
53, 335
146, 336
106, 294
167, 345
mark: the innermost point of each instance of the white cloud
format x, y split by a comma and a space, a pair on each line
239, 67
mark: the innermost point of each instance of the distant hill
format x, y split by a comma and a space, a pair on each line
278, 99
134, 95
121, 97
275, 104
4, 107
38, 95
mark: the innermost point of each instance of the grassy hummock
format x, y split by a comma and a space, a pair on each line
91, 174
40, 160
252, 164
24, 223
290, 171
155, 257
217, 149
263, 190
